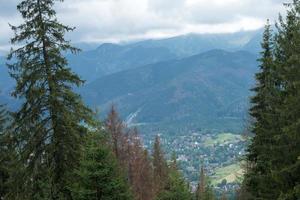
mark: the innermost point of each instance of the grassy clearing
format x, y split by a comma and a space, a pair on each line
223, 138
230, 173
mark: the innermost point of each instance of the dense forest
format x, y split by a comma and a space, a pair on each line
54, 147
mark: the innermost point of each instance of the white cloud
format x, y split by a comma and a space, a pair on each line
115, 20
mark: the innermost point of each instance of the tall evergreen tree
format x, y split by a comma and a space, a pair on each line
116, 130
286, 164
274, 153
201, 185
50, 122
140, 168
176, 188
264, 111
146, 178
160, 166
132, 158
99, 175
204, 190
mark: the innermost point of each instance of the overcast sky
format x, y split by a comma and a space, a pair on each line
123, 20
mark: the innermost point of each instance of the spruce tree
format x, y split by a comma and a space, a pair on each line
147, 184
201, 188
274, 153
116, 130
140, 168
160, 167
49, 125
264, 111
286, 158
99, 175
176, 188
3, 118
204, 189
4, 153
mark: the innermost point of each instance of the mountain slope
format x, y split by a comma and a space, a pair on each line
192, 44
205, 91
254, 45
111, 58
190, 93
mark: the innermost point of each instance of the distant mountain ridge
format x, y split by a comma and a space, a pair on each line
192, 44
111, 58
205, 91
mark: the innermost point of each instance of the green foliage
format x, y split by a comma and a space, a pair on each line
176, 188
4, 153
273, 158
48, 127
160, 167
3, 118
209, 193
98, 176
264, 112
208, 106
204, 190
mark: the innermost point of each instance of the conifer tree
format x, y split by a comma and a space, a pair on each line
50, 122
3, 118
201, 188
132, 158
140, 168
204, 189
176, 188
116, 130
286, 164
160, 166
264, 111
147, 184
4, 153
99, 175
274, 153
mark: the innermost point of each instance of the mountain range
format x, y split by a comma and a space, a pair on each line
110, 58
181, 84
205, 91
192, 44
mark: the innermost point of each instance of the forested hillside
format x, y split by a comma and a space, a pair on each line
205, 91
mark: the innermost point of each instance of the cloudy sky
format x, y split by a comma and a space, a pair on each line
123, 20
